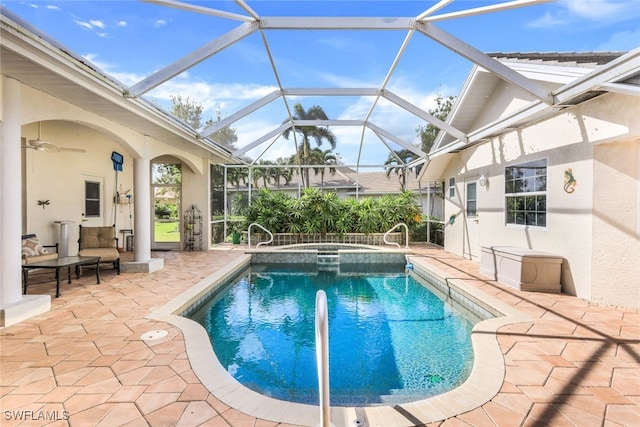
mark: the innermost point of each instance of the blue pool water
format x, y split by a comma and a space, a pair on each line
391, 340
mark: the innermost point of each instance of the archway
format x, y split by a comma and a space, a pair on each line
166, 193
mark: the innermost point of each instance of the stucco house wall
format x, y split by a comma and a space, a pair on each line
594, 228
616, 227
59, 176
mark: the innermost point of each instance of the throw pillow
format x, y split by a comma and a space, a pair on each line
32, 247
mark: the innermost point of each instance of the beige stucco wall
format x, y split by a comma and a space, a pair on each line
567, 140
616, 237
59, 176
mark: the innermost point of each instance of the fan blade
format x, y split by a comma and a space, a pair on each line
41, 144
72, 150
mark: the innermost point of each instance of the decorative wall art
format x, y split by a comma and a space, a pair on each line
569, 181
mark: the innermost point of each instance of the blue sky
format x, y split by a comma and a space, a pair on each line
130, 40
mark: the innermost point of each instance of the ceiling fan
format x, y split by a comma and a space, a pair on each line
40, 144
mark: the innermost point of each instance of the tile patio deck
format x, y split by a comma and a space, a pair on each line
84, 362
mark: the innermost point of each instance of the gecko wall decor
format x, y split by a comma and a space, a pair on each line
569, 181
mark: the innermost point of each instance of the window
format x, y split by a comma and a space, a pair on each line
452, 188
91, 199
525, 189
471, 200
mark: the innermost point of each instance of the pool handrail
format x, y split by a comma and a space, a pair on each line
406, 229
261, 243
322, 356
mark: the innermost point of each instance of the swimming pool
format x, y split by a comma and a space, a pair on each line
392, 340
484, 382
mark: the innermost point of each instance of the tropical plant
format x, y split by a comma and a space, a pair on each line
324, 158
262, 173
316, 212
269, 209
429, 132
318, 133
190, 111
396, 163
282, 172
237, 176
368, 217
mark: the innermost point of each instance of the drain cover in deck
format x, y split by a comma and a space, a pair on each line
154, 335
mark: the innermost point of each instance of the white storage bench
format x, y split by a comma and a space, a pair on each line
523, 269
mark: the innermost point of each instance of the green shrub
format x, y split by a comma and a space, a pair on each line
316, 212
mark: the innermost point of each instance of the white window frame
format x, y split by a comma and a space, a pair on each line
452, 187
526, 194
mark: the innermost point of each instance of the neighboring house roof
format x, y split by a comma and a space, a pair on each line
345, 178
376, 183
578, 59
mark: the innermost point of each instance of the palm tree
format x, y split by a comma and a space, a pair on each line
319, 157
396, 163
263, 174
318, 133
284, 172
235, 176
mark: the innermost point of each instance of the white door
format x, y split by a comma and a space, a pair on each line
471, 244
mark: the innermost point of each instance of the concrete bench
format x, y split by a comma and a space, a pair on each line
523, 269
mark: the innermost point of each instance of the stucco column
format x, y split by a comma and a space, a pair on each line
142, 206
142, 220
10, 194
14, 307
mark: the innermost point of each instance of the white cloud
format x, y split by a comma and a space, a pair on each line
622, 41
53, 7
599, 12
94, 25
84, 25
549, 20
160, 23
121, 24
97, 23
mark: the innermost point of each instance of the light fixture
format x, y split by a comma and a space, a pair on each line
483, 181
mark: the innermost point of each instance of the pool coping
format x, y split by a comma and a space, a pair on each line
482, 385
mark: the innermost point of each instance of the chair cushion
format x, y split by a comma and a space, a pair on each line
97, 237
105, 254
31, 247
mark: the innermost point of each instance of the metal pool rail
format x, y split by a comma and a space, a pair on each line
261, 243
322, 356
406, 232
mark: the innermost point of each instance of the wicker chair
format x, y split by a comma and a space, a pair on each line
102, 242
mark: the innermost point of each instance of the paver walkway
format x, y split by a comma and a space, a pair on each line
84, 362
